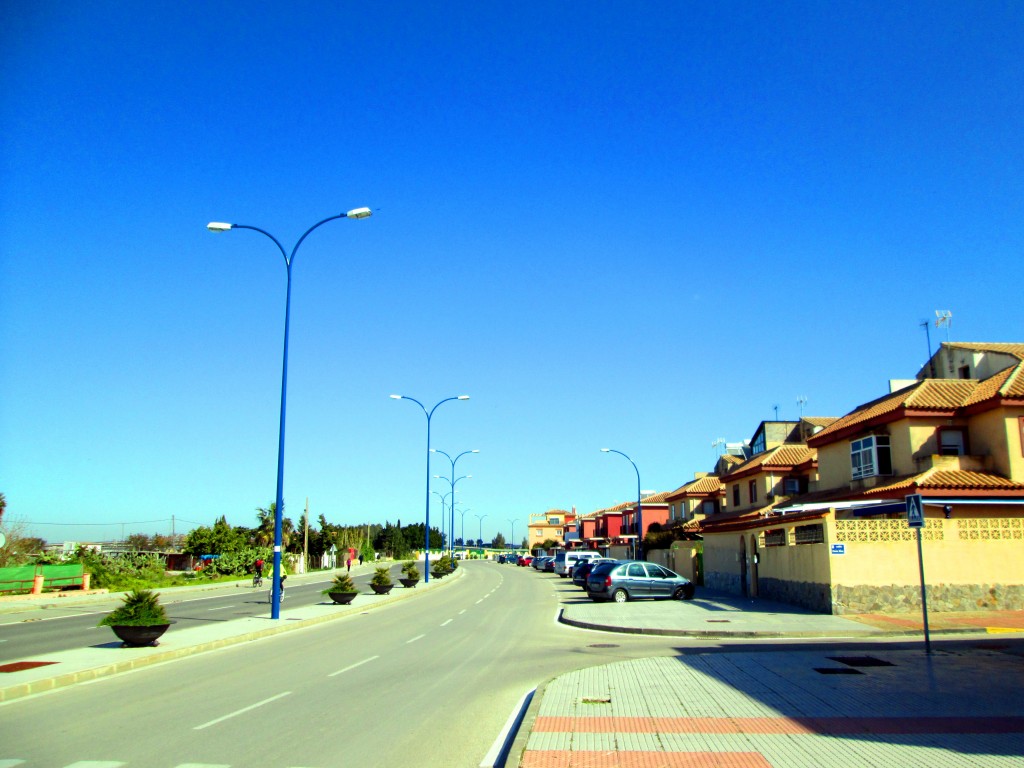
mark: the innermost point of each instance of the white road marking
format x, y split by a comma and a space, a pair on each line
447, 623
353, 666
11, 763
96, 764
462, 611
240, 711
202, 765
414, 639
48, 618
479, 601
222, 608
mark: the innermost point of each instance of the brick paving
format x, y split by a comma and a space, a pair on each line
813, 709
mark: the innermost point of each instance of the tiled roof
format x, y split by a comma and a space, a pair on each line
1017, 350
702, 486
937, 479
819, 421
786, 455
655, 498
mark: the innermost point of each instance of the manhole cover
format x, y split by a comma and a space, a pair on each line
602, 645
19, 666
861, 661
719, 621
837, 671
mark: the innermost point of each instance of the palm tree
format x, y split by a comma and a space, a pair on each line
265, 529
3, 506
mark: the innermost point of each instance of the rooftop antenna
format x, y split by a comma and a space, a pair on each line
928, 336
943, 317
801, 401
776, 407
714, 446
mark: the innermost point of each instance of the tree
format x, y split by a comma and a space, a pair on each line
499, 541
219, 539
3, 506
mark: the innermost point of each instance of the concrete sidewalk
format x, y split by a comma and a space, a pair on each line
780, 709
50, 671
718, 614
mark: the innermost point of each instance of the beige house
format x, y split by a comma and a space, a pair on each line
549, 525
954, 435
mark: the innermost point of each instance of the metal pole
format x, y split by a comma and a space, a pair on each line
924, 595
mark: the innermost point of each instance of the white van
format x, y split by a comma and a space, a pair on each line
564, 561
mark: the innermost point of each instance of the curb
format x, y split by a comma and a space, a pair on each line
20, 690
720, 633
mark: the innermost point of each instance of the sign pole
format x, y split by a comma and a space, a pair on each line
915, 519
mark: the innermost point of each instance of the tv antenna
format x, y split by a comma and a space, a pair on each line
801, 401
943, 317
776, 407
714, 446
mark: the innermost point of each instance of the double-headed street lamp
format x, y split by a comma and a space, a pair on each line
452, 482
512, 537
428, 414
480, 540
220, 226
638, 546
463, 513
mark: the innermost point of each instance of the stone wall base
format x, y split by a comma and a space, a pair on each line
816, 597
899, 598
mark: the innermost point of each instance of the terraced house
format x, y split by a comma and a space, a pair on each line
822, 523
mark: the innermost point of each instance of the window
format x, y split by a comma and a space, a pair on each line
708, 507
539, 531
776, 538
964, 371
870, 456
636, 570
554, 521
752, 489
791, 486
736, 495
952, 441
810, 534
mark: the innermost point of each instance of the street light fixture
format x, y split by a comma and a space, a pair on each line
429, 414
512, 537
638, 546
481, 539
463, 513
220, 226
452, 482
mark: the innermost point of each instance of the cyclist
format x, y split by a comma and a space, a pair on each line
257, 577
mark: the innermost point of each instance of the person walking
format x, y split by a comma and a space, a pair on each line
348, 564
360, 558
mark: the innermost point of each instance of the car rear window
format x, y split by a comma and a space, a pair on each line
601, 569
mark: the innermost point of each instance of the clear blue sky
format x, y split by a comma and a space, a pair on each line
626, 225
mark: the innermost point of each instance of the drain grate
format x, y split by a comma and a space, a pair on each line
837, 671
719, 621
596, 700
19, 666
602, 645
861, 661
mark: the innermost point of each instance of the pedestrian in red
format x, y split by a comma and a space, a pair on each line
348, 565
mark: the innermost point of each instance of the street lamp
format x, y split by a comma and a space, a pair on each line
444, 505
220, 226
638, 547
481, 538
463, 513
512, 537
426, 533
452, 482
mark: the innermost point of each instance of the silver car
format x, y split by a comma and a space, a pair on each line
632, 579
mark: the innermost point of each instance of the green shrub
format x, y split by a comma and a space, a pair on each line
410, 570
342, 583
141, 608
381, 577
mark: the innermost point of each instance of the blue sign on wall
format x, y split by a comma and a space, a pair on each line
838, 549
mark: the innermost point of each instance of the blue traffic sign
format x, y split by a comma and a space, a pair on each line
915, 511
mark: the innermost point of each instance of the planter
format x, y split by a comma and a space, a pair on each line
439, 574
381, 590
409, 583
136, 637
342, 598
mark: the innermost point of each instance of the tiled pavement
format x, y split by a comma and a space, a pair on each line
886, 709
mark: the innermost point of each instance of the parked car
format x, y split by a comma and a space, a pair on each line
583, 568
524, 560
564, 561
538, 562
631, 579
548, 566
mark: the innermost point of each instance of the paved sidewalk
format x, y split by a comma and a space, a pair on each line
50, 671
719, 614
784, 710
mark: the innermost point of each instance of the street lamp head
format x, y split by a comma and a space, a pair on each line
359, 213
603, 450
218, 226
395, 397
475, 450
463, 397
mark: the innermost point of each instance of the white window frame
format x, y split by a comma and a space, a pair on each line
864, 455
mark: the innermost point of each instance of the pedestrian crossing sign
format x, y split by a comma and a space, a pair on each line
915, 511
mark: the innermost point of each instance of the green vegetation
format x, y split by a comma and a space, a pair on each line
410, 570
141, 608
342, 583
381, 577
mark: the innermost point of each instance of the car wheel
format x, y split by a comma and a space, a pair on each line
620, 596
688, 591
678, 594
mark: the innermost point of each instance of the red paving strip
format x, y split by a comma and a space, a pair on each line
20, 666
557, 759
829, 726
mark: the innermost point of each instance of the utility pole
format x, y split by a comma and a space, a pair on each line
305, 539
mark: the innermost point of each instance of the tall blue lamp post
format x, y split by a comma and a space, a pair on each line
429, 414
463, 513
512, 536
452, 481
480, 541
638, 547
220, 226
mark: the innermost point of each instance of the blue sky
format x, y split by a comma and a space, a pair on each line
636, 226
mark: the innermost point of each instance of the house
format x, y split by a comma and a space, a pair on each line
550, 525
834, 537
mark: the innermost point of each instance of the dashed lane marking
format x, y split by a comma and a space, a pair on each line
239, 712
447, 623
353, 666
413, 640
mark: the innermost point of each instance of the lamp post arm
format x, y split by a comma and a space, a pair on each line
306, 233
284, 253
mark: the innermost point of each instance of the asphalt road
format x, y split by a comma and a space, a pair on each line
430, 681
60, 628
